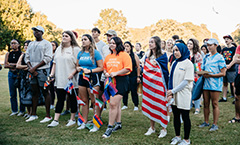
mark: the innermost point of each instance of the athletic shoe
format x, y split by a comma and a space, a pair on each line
124, 107
107, 133
71, 122
46, 119
25, 115
150, 131
204, 124
184, 142
175, 140
20, 114
223, 100
94, 129
135, 108
51, 106
13, 113
65, 112
83, 126
28, 116
117, 127
163, 133
31, 118
213, 128
196, 112
53, 123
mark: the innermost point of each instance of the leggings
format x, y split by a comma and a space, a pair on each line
177, 122
61, 95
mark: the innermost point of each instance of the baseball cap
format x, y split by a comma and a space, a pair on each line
111, 32
212, 41
228, 36
40, 28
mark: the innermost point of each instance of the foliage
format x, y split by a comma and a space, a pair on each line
112, 19
236, 34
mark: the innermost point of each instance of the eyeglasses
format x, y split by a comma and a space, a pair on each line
13, 43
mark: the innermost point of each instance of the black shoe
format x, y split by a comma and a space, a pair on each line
107, 133
117, 127
233, 102
222, 100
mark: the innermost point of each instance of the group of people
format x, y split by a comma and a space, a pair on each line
91, 65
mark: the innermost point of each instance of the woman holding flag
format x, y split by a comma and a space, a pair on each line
180, 88
155, 78
90, 63
63, 70
117, 66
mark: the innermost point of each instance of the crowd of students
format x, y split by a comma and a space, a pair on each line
89, 66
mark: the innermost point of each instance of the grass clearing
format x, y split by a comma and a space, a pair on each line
14, 130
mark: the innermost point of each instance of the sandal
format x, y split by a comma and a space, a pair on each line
234, 120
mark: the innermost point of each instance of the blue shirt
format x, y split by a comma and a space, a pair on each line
85, 60
213, 64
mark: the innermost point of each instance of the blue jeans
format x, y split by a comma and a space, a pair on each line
196, 104
13, 93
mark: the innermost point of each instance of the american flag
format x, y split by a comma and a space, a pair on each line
154, 94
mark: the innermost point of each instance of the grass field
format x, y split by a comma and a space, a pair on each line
14, 130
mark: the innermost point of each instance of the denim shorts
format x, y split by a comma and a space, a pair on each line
41, 78
229, 77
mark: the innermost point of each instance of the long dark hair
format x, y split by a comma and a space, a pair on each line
119, 44
195, 45
205, 48
132, 55
157, 41
19, 47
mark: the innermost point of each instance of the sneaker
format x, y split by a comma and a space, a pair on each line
71, 122
150, 131
31, 118
51, 106
108, 133
184, 142
28, 116
135, 108
53, 123
25, 115
204, 124
223, 100
117, 127
13, 113
65, 112
46, 119
20, 114
124, 107
175, 140
83, 126
213, 128
163, 133
94, 129
196, 112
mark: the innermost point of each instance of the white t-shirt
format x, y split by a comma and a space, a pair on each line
183, 71
100, 44
104, 51
66, 62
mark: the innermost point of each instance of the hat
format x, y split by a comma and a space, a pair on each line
228, 36
206, 39
40, 28
111, 32
76, 34
212, 41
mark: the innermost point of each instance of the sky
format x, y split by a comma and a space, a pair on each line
220, 16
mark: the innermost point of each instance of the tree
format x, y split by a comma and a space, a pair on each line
236, 34
112, 19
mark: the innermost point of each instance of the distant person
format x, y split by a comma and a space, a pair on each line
228, 53
163, 46
10, 62
213, 82
141, 55
138, 51
38, 57
204, 50
175, 37
180, 41
95, 34
205, 41
171, 57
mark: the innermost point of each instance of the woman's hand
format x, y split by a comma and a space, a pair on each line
113, 74
86, 71
169, 93
79, 68
169, 98
107, 75
70, 76
154, 62
138, 80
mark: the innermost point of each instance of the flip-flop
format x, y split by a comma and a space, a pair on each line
234, 120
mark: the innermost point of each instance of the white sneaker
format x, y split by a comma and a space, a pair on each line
150, 131
46, 119
184, 142
51, 106
28, 116
20, 114
163, 133
175, 140
53, 124
124, 107
135, 108
83, 126
71, 122
94, 129
13, 113
31, 118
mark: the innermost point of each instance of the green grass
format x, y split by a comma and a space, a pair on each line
14, 130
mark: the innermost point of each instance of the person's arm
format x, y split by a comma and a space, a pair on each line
138, 68
6, 63
221, 74
236, 59
53, 70
122, 71
19, 63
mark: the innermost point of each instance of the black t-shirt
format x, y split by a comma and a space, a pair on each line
14, 56
140, 55
228, 54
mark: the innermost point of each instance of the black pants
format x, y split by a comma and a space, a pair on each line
177, 122
133, 88
52, 92
61, 95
